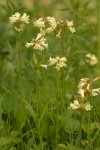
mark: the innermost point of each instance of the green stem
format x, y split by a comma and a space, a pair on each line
89, 123
37, 86
20, 77
62, 79
63, 42
36, 80
57, 103
44, 93
38, 106
43, 77
63, 52
20, 68
62, 99
78, 141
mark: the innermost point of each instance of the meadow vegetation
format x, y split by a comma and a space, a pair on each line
49, 75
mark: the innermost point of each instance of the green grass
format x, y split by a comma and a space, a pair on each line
34, 101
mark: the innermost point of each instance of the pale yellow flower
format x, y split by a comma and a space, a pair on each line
25, 18
15, 18
40, 23
84, 83
38, 43
87, 106
18, 18
69, 23
85, 89
52, 22
91, 59
44, 66
58, 62
72, 29
95, 92
75, 105
46, 25
70, 26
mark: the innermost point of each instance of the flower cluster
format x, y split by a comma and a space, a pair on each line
85, 90
70, 26
46, 25
91, 59
65, 25
40, 23
58, 62
84, 86
53, 23
18, 18
77, 105
49, 24
38, 43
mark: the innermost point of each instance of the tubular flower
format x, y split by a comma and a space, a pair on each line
14, 18
64, 24
85, 89
81, 92
77, 105
40, 23
29, 44
18, 18
52, 22
46, 25
25, 18
59, 34
72, 29
44, 66
84, 83
58, 62
69, 23
91, 59
87, 106
70, 26
19, 21
95, 92
38, 43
